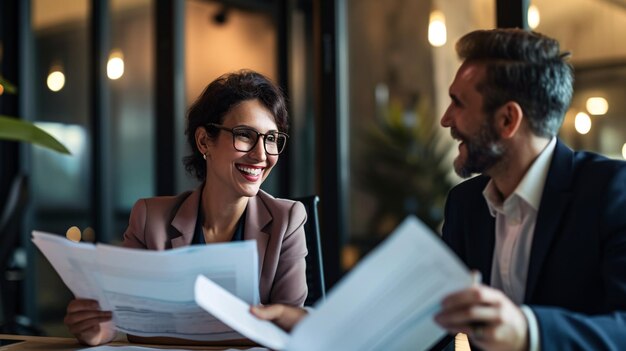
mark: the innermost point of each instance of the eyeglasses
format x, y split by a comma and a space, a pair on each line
246, 138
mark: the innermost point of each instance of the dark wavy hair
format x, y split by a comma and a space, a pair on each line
218, 98
525, 67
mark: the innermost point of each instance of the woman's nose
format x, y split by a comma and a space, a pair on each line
258, 152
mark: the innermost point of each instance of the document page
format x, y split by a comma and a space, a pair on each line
143, 348
151, 293
235, 312
387, 302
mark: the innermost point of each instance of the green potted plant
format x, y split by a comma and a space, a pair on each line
19, 130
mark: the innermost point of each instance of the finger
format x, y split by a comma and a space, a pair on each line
86, 325
477, 277
82, 305
478, 294
270, 313
78, 317
468, 317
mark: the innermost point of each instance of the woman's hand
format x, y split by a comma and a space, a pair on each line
283, 316
88, 324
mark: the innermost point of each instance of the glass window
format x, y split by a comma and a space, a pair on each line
593, 31
221, 39
130, 70
398, 82
60, 184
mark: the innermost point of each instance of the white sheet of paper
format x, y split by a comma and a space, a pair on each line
151, 292
386, 303
389, 300
142, 348
236, 313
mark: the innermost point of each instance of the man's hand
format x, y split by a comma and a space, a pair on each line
283, 316
90, 325
487, 316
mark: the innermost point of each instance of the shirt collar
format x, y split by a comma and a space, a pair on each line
530, 187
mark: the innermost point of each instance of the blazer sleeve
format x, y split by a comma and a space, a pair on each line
565, 330
134, 236
289, 286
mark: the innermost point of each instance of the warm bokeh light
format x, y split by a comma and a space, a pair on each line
73, 233
56, 80
437, 33
624, 151
597, 106
89, 235
582, 123
533, 17
115, 66
1, 89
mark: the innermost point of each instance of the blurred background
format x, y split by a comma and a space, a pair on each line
366, 80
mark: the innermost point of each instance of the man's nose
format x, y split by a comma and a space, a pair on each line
446, 119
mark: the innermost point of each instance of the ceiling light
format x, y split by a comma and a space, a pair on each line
533, 17
597, 106
56, 79
437, 34
115, 66
582, 123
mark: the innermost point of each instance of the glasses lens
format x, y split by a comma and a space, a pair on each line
244, 139
275, 143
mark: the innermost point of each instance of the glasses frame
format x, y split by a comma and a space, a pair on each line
258, 136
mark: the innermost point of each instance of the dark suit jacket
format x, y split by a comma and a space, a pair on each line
277, 225
576, 283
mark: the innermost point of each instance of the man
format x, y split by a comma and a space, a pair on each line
545, 226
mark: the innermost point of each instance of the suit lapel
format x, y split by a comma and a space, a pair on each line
556, 195
184, 221
481, 237
258, 217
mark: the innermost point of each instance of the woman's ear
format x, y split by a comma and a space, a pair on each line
202, 140
509, 119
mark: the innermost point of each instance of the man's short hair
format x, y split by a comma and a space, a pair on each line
525, 67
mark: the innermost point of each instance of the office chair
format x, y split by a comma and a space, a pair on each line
314, 266
10, 275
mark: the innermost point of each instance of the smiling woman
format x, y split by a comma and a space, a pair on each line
224, 129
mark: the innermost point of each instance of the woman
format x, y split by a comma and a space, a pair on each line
236, 131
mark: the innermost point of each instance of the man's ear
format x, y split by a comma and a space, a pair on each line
202, 140
509, 119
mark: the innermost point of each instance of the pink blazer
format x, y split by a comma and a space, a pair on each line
277, 225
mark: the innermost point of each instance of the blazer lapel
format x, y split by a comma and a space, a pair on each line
185, 219
481, 239
554, 201
257, 219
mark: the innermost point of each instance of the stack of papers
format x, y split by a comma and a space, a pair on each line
151, 293
386, 303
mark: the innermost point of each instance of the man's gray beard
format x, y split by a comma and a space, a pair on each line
483, 152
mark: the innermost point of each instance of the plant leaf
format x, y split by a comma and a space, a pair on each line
8, 87
20, 130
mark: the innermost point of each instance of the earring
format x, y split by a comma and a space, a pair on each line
204, 156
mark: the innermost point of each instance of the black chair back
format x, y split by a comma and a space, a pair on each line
11, 218
11, 275
314, 266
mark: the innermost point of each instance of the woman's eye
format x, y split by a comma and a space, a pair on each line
244, 134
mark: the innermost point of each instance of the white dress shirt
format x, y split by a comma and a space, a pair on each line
516, 217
